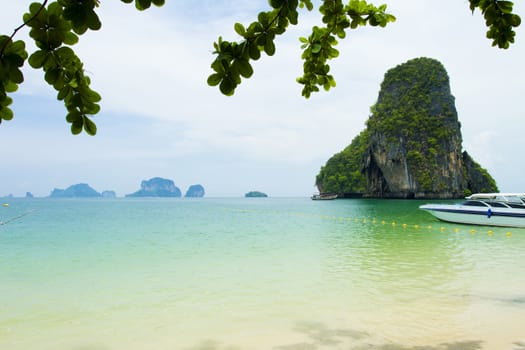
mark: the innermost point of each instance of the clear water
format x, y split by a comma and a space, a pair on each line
235, 274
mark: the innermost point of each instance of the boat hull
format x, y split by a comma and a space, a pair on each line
505, 217
324, 196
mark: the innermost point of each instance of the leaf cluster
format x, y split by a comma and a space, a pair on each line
55, 26
145, 4
12, 57
499, 19
233, 58
319, 47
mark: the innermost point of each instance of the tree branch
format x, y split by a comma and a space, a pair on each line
22, 26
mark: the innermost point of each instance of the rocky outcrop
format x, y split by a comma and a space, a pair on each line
195, 191
157, 187
412, 146
109, 194
477, 178
75, 191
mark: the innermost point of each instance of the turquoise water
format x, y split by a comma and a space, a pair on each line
235, 274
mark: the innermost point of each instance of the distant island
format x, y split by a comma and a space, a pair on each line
154, 187
75, 191
157, 187
255, 194
195, 191
109, 194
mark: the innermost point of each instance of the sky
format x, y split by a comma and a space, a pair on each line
159, 118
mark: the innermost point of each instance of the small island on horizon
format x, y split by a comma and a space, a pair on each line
255, 194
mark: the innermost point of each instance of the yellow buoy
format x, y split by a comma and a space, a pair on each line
490, 233
508, 234
5, 205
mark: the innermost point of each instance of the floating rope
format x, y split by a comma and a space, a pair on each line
16, 217
376, 222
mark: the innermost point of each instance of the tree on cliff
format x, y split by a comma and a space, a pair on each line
56, 26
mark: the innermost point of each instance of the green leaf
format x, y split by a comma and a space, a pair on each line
263, 18
245, 68
16, 75
239, 29
269, 48
64, 92
74, 116
76, 127
70, 38
316, 48
92, 21
142, 4
214, 79
89, 126
10, 86
6, 113
52, 76
227, 86
255, 53
276, 3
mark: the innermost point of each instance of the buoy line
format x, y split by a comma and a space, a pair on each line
16, 217
374, 221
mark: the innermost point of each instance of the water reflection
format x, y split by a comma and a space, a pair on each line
401, 279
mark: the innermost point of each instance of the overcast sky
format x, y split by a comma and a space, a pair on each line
159, 117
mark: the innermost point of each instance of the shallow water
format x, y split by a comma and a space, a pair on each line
275, 273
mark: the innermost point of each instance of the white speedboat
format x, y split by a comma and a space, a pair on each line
324, 196
489, 209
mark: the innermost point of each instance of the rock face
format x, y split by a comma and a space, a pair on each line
195, 191
75, 191
412, 147
157, 187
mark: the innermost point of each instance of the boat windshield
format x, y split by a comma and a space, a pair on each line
474, 204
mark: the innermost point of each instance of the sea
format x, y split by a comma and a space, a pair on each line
254, 274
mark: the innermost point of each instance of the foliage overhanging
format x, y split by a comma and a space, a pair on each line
56, 26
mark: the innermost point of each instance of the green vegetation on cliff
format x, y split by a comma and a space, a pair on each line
343, 172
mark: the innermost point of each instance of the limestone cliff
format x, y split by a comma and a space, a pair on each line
412, 146
195, 191
157, 187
